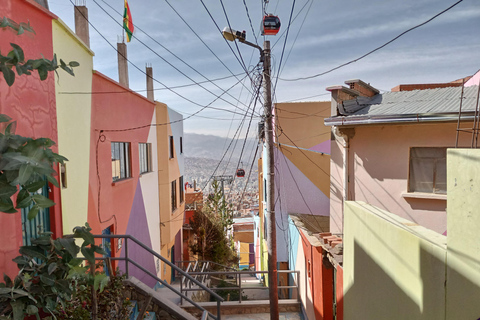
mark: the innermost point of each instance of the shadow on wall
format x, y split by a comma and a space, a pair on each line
375, 295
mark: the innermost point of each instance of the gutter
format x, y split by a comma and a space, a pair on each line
399, 118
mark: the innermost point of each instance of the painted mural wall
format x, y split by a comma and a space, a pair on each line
73, 117
302, 162
123, 206
34, 112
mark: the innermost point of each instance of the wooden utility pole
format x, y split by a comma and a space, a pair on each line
271, 227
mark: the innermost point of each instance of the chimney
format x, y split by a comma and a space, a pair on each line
122, 64
356, 88
149, 72
340, 94
81, 23
365, 89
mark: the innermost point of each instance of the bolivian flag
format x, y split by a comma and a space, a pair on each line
127, 22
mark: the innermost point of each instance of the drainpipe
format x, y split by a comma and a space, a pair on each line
346, 147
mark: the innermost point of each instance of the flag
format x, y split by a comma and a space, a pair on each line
127, 22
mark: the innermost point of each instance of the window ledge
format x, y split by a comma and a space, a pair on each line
143, 173
114, 183
424, 195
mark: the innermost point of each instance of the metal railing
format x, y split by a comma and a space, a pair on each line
238, 280
176, 269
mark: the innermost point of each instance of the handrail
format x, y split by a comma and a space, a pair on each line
206, 261
173, 266
239, 288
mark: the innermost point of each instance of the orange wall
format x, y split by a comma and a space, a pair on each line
320, 282
31, 103
339, 292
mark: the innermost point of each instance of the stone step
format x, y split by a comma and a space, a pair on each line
246, 307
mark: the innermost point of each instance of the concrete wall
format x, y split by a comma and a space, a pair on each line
169, 169
463, 272
393, 268
31, 103
73, 118
378, 171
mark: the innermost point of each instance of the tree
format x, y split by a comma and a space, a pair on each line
210, 227
24, 162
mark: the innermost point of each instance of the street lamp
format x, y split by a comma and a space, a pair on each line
231, 35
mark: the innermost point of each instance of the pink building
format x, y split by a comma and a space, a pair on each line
389, 149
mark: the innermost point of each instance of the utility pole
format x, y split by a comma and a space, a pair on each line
271, 227
231, 35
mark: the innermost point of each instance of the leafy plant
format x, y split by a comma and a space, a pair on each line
24, 162
111, 302
50, 273
210, 227
15, 59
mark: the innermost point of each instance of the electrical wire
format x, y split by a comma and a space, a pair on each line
170, 64
376, 49
173, 91
145, 90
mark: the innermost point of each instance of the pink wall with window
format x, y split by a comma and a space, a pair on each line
379, 168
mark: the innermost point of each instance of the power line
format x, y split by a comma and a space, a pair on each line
250, 20
376, 49
145, 90
284, 45
183, 97
202, 39
170, 64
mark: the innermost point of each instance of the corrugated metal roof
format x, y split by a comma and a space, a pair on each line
440, 100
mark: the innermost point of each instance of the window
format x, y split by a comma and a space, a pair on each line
145, 155
181, 188
172, 150
428, 170
174, 195
181, 145
120, 160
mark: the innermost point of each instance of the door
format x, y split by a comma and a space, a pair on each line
107, 246
31, 229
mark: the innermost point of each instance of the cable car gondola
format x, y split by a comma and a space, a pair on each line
240, 173
270, 25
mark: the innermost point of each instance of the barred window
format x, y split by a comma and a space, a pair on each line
145, 157
120, 160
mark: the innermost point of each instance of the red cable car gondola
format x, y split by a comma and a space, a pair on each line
270, 25
240, 173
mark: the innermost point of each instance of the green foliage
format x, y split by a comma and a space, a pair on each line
111, 303
24, 162
228, 294
50, 273
210, 227
15, 59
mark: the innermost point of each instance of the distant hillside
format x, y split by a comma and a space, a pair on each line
213, 147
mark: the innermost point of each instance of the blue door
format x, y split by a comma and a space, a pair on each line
107, 246
31, 229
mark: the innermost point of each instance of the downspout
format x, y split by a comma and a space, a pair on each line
346, 146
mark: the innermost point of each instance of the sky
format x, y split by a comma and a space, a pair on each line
195, 69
